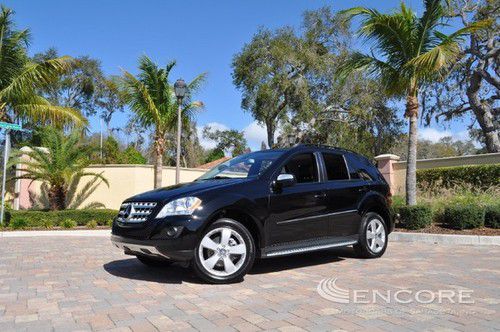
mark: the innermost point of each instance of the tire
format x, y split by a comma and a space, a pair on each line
366, 248
155, 262
225, 252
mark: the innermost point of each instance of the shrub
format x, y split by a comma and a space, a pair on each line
92, 224
462, 216
415, 216
46, 223
68, 223
492, 216
37, 218
19, 224
480, 176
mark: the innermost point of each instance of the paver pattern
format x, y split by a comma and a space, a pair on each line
76, 283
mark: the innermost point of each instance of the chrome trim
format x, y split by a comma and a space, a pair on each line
139, 249
315, 217
139, 211
312, 248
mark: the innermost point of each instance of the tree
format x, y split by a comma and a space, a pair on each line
445, 147
132, 156
214, 154
83, 87
151, 96
227, 140
271, 72
408, 52
60, 165
20, 79
474, 85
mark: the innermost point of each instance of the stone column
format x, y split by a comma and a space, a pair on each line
385, 166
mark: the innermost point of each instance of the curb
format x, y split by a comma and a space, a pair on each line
444, 238
394, 236
84, 233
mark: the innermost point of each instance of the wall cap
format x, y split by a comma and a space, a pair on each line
387, 156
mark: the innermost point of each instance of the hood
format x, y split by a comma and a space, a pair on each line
183, 189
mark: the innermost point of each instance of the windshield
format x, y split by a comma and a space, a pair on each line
244, 166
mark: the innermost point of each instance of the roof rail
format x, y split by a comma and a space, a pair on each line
325, 146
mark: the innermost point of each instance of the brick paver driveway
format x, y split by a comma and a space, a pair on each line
75, 283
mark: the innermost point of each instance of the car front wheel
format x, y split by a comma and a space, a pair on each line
225, 253
373, 236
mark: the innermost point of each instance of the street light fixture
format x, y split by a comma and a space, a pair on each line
180, 88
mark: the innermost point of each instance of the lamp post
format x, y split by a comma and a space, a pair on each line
180, 89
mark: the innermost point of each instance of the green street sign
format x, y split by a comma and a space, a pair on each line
11, 126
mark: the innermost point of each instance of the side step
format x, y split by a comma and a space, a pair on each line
309, 245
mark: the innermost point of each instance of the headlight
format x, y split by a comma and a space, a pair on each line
179, 207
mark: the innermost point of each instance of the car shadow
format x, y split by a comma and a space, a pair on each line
131, 268
277, 264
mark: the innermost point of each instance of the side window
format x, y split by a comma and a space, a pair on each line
303, 167
335, 167
364, 175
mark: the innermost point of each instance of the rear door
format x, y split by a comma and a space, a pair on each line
299, 212
343, 194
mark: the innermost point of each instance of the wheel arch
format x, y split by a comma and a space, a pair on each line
375, 202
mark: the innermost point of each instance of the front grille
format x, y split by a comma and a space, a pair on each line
135, 212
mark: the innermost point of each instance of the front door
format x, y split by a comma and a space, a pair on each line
299, 212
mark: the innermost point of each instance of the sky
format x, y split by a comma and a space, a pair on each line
202, 36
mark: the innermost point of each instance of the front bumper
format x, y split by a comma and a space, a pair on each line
172, 249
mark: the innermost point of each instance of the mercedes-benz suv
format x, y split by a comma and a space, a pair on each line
258, 205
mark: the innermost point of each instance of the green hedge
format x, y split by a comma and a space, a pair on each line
416, 216
480, 176
45, 219
492, 216
464, 216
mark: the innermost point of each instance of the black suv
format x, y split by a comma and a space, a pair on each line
261, 204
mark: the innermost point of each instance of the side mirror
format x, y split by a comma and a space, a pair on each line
285, 180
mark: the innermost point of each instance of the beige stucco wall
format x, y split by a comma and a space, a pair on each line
124, 181
399, 167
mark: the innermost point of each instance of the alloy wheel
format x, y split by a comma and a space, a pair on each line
375, 235
222, 251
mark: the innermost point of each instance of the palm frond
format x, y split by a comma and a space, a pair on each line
36, 75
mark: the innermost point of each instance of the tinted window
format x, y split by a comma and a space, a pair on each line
303, 167
364, 175
335, 167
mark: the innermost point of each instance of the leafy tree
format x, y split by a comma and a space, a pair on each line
83, 87
60, 165
445, 147
270, 71
20, 79
474, 84
408, 52
151, 96
132, 156
214, 154
227, 140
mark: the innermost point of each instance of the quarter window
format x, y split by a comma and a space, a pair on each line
335, 167
303, 167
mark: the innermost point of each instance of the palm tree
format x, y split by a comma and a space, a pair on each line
408, 52
151, 96
20, 79
60, 165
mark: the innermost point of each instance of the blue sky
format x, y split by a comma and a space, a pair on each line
202, 36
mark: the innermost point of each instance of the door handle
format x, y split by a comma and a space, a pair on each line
322, 195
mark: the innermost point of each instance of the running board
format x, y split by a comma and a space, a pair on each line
307, 246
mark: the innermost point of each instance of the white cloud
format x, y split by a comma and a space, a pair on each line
255, 134
433, 135
207, 143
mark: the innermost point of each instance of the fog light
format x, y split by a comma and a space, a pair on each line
173, 231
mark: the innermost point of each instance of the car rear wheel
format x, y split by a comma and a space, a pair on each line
225, 252
373, 236
152, 261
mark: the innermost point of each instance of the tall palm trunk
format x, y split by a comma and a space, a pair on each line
411, 164
158, 166
57, 197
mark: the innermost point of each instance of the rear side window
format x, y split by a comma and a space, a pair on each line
303, 167
336, 168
